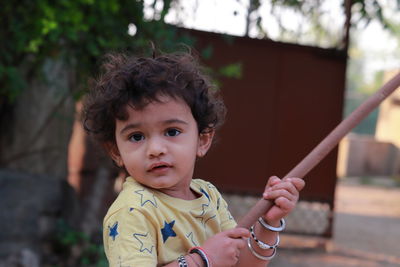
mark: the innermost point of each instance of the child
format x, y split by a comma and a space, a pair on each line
155, 116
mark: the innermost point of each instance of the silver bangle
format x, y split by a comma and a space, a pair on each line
182, 261
203, 255
271, 228
261, 244
261, 257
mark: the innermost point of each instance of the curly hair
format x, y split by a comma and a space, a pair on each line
138, 81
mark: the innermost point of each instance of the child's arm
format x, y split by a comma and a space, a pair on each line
285, 194
222, 250
230, 248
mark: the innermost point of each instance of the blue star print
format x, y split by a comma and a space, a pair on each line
120, 262
191, 238
146, 238
209, 218
205, 193
204, 208
113, 230
228, 212
167, 231
146, 197
210, 185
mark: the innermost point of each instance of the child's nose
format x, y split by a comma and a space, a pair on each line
156, 147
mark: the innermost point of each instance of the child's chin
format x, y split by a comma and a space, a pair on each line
160, 185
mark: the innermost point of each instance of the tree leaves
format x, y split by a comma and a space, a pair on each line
79, 29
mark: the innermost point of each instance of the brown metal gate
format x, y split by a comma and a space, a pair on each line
288, 99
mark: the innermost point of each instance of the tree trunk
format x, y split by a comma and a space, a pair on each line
34, 137
36, 132
347, 25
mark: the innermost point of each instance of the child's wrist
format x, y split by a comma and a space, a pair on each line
203, 255
272, 225
272, 222
196, 259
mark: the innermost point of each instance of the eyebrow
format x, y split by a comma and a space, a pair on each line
130, 126
137, 125
172, 121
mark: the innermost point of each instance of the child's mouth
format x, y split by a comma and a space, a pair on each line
159, 167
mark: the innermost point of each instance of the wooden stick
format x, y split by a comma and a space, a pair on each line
325, 146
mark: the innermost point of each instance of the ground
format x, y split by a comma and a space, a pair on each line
366, 229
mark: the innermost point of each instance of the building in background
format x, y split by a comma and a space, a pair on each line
388, 125
379, 155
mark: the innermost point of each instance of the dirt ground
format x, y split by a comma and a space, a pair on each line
366, 230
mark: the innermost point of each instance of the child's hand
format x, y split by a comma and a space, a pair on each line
223, 249
284, 193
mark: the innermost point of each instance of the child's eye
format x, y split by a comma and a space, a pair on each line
172, 132
136, 137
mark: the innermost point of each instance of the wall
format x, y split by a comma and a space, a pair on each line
388, 125
288, 99
365, 156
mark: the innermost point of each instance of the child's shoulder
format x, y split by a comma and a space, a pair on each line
204, 186
133, 196
200, 183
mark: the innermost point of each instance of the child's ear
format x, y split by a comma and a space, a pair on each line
113, 151
205, 141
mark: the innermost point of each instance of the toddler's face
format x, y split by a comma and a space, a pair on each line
158, 145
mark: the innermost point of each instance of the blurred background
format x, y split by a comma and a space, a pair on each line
289, 72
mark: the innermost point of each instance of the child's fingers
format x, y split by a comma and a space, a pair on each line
286, 186
293, 185
284, 204
273, 180
239, 244
276, 212
274, 194
238, 232
297, 182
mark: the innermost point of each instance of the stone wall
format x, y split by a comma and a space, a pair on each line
33, 164
388, 124
38, 127
365, 156
31, 206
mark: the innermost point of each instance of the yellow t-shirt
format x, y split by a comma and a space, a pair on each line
144, 227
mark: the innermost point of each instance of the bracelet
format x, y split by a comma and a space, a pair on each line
271, 228
202, 254
182, 261
261, 244
261, 257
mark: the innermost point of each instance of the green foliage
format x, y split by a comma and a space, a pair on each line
233, 70
370, 10
207, 52
74, 248
312, 13
79, 31
366, 10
